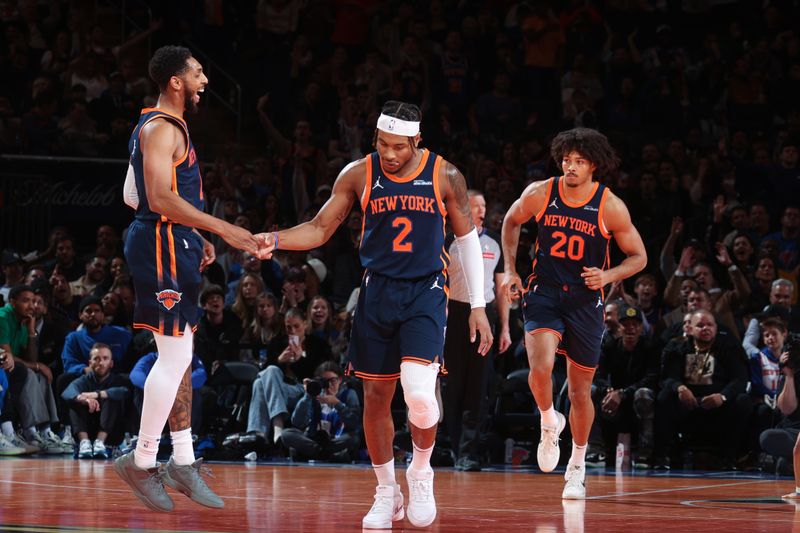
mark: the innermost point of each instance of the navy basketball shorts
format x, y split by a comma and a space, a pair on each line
164, 260
574, 313
397, 320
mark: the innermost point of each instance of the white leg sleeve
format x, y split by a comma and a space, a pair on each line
174, 356
419, 388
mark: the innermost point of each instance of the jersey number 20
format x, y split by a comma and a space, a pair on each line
398, 244
574, 245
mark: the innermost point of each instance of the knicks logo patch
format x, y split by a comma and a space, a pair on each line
192, 157
168, 298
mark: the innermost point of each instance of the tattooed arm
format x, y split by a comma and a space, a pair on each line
454, 196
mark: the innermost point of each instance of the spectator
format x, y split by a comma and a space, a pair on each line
244, 305
294, 290
325, 425
783, 441
787, 239
218, 330
779, 306
65, 260
278, 387
320, 320
142, 369
701, 378
265, 327
64, 303
12, 272
626, 384
96, 404
79, 343
94, 277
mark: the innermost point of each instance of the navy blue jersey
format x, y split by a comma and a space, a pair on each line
186, 180
571, 236
404, 221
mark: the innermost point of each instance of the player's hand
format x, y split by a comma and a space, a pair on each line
594, 278
209, 254
478, 322
241, 239
510, 286
504, 341
266, 245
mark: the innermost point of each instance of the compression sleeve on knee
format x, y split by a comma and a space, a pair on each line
419, 390
469, 253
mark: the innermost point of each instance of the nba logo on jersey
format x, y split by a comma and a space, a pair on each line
168, 298
192, 157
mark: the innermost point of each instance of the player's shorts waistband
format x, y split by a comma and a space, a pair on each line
563, 287
395, 278
148, 223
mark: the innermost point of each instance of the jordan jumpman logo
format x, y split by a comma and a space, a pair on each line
377, 184
553, 203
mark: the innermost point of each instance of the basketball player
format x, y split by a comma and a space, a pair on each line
398, 330
166, 255
563, 300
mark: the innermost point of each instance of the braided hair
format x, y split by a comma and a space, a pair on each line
402, 111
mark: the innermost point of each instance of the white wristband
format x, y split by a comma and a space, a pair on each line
469, 253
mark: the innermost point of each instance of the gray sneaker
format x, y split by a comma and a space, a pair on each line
188, 480
147, 484
45, 444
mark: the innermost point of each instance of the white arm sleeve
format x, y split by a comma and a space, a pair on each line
129, 193
469, 253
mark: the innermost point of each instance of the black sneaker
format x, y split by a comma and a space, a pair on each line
147, 484
661, 463
596, 460
187, 479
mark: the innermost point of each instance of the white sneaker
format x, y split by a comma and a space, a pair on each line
575, 488
8, 448
99, 450
421, 503
547, 453
85, 449
388, 507
68, 442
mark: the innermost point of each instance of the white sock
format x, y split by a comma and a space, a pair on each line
385, 474
421, 459
549, 417
277, 431
146, 451
182, 450
7, 428
578, 456
29, 433
174, 357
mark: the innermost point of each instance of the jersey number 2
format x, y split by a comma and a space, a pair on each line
397, 244
574, 244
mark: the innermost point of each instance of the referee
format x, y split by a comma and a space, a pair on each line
465, 391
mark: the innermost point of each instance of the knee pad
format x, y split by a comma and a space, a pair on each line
419, 389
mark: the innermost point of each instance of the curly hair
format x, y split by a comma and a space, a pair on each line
166, 62
591, 144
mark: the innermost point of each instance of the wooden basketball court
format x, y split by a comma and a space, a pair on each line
69, 495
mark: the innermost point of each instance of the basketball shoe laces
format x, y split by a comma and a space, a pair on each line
384, 505
420, 490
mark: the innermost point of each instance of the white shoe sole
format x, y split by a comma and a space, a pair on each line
399, 515
562, 423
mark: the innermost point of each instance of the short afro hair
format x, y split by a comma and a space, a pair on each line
168, 61
591, 144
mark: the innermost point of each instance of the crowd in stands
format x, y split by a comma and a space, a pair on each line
699, 99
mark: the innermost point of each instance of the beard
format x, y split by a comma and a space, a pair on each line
188, 102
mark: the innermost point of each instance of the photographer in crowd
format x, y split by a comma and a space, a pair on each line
327, 419
783, 442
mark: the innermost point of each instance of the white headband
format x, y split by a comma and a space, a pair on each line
397, 126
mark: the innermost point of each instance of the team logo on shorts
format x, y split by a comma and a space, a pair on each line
168, 298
